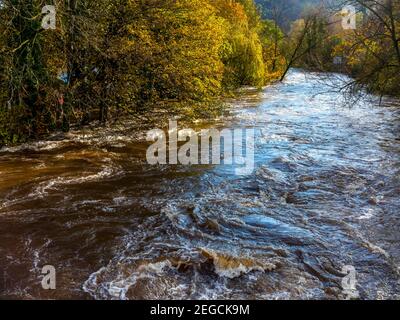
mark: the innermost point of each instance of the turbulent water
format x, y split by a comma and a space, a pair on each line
324, 195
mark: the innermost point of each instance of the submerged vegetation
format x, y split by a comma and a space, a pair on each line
139, 57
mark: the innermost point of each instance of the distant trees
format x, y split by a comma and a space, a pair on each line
310, 43
300, 42
370, 53
273, 49
126, 56
372, 50
285, 11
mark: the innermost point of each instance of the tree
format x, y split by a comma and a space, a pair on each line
242, 53
145, 58
25, 76
372, 50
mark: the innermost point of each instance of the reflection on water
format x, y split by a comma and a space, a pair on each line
324, 195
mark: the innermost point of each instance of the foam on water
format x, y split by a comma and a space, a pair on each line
323, 195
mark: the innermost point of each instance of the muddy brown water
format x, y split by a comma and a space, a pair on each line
324, 194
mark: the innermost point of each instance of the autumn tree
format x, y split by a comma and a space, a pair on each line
242, 53
146, 58
372, 50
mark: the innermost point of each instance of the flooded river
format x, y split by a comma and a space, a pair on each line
324, 194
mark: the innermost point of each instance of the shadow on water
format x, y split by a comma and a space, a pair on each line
324, 194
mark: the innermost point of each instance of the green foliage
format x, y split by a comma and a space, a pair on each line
142, 57
272, 39
24, 74
242, 52
370, 54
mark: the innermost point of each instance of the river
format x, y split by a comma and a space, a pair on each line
324, 194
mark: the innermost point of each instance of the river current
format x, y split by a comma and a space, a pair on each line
324, 194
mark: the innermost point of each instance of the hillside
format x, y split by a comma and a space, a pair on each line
290, 9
